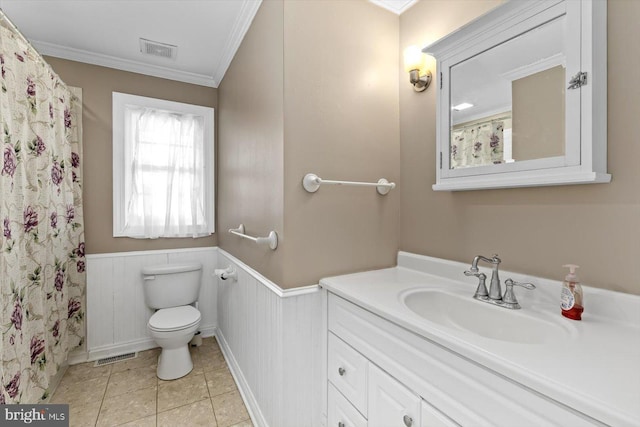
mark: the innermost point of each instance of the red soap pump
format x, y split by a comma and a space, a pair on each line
571, 298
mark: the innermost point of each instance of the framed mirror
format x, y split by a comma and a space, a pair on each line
522, 97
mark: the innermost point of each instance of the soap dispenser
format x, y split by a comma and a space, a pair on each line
571, 298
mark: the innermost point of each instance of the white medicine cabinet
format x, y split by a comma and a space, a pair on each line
522, 97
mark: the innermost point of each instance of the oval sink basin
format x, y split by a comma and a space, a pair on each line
487, 320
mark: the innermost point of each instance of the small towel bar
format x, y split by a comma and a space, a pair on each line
271, 239
311, 182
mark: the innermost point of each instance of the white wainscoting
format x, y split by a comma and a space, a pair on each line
271, 339
116, 314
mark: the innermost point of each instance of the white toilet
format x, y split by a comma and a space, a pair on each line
172, 289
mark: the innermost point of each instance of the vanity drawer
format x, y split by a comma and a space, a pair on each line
348, 372
341, 411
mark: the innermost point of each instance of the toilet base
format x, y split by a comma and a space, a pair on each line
174, 363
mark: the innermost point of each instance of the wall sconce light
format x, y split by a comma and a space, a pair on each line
415, 63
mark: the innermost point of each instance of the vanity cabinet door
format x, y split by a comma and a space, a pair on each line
390, 403
431, 417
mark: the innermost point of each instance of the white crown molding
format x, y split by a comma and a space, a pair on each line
395, 6
240, 28
108, 61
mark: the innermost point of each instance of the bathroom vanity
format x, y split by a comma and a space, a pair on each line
409, 346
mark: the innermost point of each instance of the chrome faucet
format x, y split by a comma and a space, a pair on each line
494, 295
495, 292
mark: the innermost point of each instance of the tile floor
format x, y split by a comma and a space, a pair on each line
128, 393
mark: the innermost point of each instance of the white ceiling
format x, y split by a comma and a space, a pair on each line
107, 32
207, 33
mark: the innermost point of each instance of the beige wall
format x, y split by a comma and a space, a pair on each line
341, 122
97, 85
535, 230
327, 103
251, 143
538, 115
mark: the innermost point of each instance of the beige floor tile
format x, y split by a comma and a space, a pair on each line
131, 380
189, 389
195, 414
143, 422
210, 342
84, 415
129, 394
212, 360
220, 381
144, 359
81, 393
210, 351
229, 409
128, 407
83, 372
198, 361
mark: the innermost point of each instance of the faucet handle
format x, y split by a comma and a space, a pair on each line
527, 285
481, 291
509, 299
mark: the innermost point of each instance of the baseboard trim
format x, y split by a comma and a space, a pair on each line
54, 382
146, 343
257, 418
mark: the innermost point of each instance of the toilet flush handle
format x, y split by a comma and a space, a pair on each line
149, 278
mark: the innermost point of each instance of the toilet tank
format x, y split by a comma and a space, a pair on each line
171, 285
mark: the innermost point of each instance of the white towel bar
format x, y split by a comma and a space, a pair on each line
311, 182
271, 239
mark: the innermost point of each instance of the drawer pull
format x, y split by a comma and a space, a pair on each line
341, 371
408, 421
340, 424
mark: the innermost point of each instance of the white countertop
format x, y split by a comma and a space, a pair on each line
594, 368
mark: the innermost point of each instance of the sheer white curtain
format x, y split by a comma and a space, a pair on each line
165, 174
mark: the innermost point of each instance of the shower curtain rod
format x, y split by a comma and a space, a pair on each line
4, 19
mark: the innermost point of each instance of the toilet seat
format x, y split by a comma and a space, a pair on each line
174, 319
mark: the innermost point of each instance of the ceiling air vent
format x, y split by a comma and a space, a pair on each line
163, 50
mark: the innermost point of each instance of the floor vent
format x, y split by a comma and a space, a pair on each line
116, 359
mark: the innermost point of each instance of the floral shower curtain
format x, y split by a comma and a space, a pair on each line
478, 145
42, 265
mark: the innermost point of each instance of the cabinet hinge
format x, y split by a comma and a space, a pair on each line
441, 80
441, 160
578, 80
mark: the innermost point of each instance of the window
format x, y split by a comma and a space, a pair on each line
163, 161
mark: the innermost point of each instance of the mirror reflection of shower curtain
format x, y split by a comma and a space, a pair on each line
479, 144
42, 260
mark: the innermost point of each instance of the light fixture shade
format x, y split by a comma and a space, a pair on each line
429, 64
414, 59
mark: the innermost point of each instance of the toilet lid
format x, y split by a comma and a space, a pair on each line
174, 318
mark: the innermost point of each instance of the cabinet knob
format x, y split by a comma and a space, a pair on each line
408, 421
340, 424
341, 371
